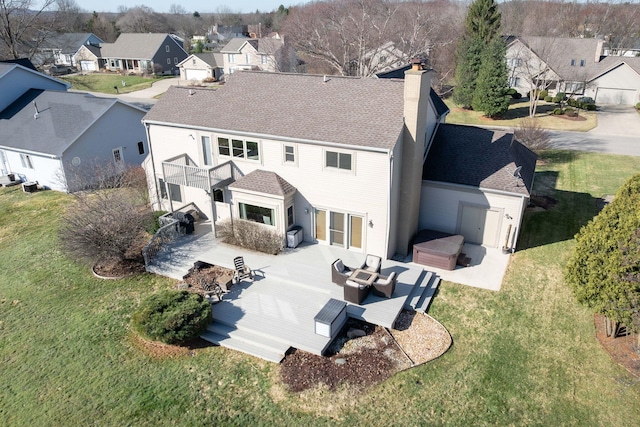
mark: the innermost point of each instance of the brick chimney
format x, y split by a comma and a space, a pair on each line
417, 85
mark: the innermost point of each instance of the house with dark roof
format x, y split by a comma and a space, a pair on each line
575, 66
201, 66
57, 138
263, 54
143, 53
341, 157
61, 49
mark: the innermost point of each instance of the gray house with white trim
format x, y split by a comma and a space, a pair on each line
143, 53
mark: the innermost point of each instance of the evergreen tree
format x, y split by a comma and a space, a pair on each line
604, 269
490, 94
483, 20
467, 71
482, 27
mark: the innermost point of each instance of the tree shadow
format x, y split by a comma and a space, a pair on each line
557, 221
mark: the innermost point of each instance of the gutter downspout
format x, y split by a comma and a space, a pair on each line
153, 167
386, 237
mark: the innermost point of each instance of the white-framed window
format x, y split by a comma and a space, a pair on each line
573, 62
218, 195
140, 147
258, 214
117, 155
193, 61
514, 81
264, 59
338, 160
576, 88
289, 154
231, 57
206, 150
167, 48
174, 191
583, 62
239, 148
175, 60
247, 58
169, 61
290, 216
25, 159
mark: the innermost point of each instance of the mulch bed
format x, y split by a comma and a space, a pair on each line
361, 362
118, 268
542, 203
624, 350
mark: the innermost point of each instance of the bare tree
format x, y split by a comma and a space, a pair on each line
363, 37
106, 221
69, 19
24, 25
102, 27
533, 135
141, 19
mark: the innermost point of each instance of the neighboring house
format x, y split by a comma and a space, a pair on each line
61, 49
632, 49
574, 66
384, 58
87, 58
149, 53
265, 54
58, 138
201, 66
341, 157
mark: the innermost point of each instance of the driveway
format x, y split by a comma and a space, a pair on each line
144, 98
617, 120
618, 132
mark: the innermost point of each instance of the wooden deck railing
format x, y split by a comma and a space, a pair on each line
177, 170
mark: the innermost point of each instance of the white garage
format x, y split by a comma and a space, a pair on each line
193, 74
88, 66
477, 183
616, 96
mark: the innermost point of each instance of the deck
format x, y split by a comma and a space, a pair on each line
276, 311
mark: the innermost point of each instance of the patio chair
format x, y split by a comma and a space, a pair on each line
355, 292
242, 271
340, 272
384, 286
372, 263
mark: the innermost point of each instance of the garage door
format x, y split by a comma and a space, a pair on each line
87, 65
616, 96
196, 74
480, 225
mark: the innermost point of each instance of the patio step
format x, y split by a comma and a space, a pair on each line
245, 341
420, 297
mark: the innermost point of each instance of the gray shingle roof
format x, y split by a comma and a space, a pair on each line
263, 45
210, 58
265, 182
67, 42
135, 45
62, 118
559, 52
353, 111
479, 157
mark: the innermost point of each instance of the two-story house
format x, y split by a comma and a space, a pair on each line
63, 48
344, 158
264, 54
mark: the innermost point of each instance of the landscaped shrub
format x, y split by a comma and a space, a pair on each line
250, 235
155, 226
544, 93
516, 95
531, 133
573, 103
511, 91
557, 111
548, 98
589, 107
570, 112
638, 106
172, 317
586, 100
560, 96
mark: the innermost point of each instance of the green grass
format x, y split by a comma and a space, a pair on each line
105, 83
526, 355
518, 110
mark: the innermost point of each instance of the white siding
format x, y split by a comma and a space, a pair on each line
441, 204
46, 171
621, 77
363, 190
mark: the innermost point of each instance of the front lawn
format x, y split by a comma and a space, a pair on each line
105, 83
526, 355
518, 110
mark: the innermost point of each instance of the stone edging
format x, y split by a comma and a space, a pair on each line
93, 270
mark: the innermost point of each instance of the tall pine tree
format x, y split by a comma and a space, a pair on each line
490, 94
482, 27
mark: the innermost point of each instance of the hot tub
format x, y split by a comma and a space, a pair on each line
437, 249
